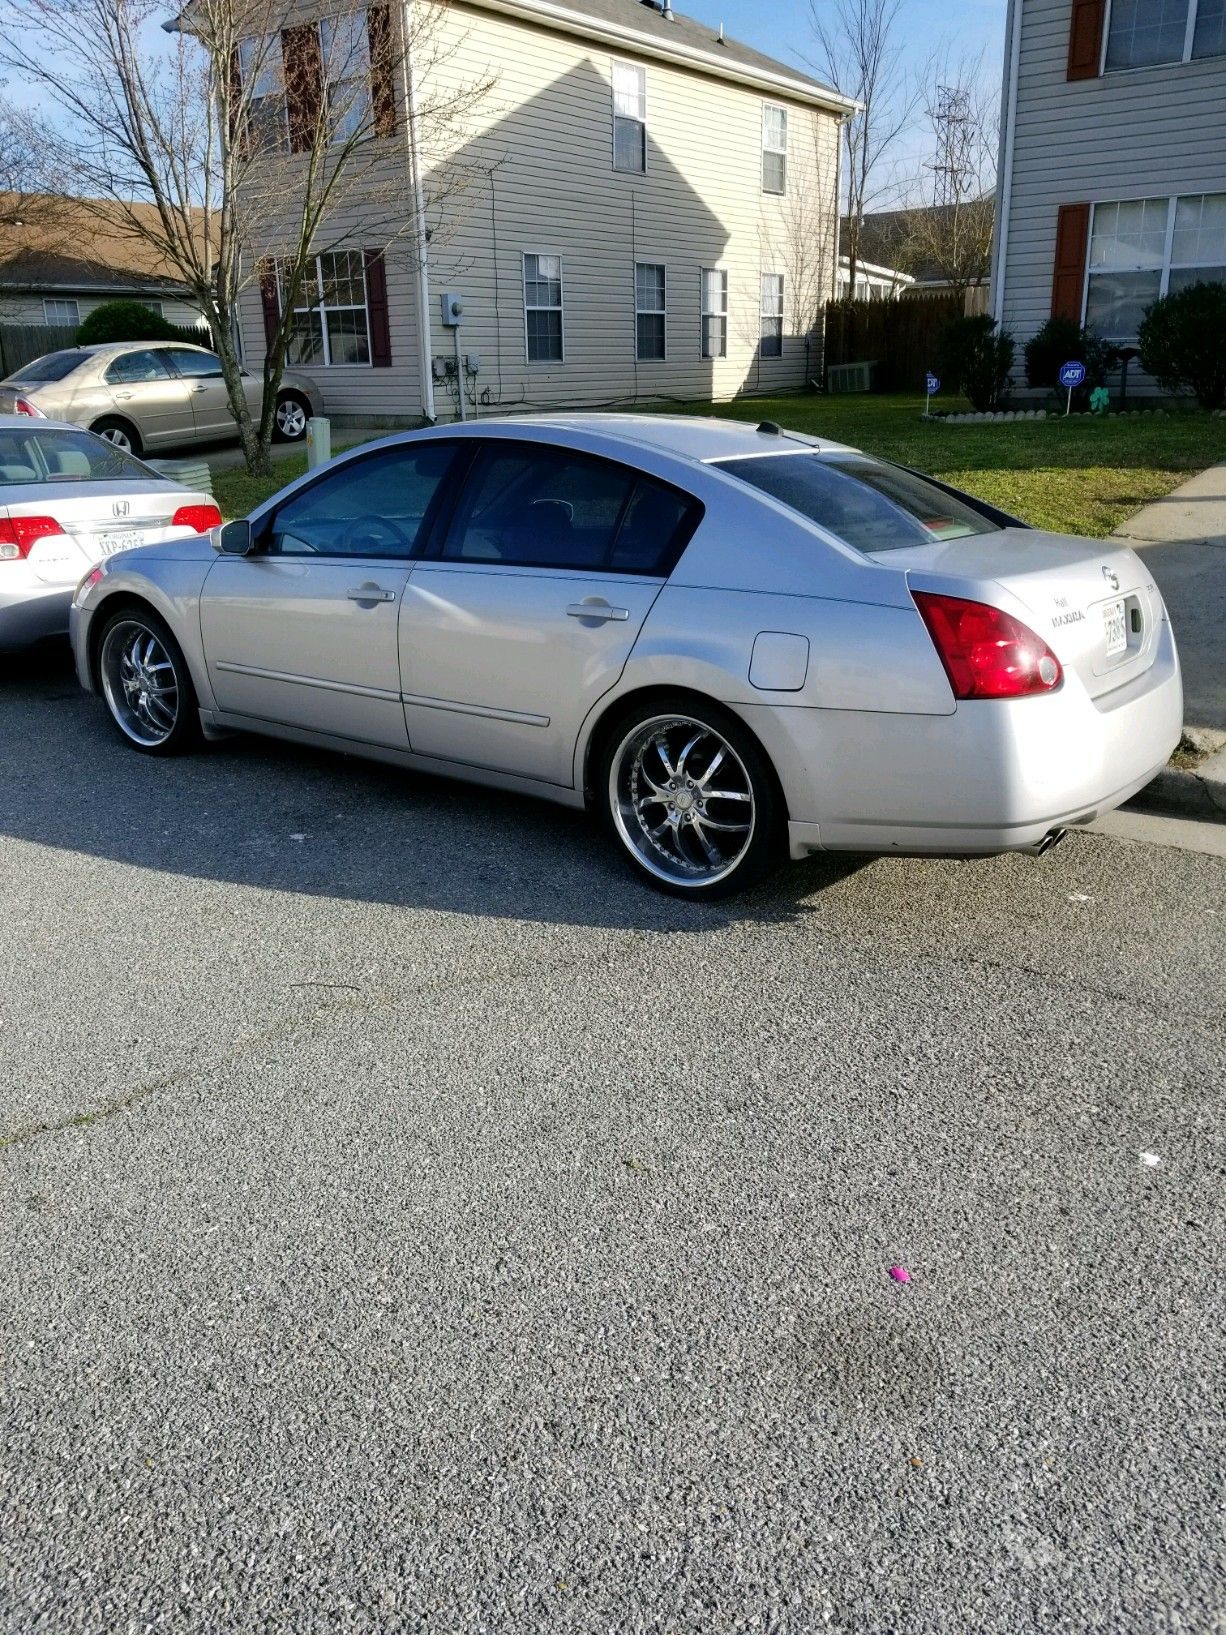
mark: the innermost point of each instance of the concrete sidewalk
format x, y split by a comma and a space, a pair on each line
1183, 538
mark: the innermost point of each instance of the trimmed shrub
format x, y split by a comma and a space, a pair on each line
125, 321
1183, 343
975, 358
1062, 341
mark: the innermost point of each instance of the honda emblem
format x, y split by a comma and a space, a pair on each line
120, 508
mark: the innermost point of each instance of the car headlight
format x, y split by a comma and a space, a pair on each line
96, 573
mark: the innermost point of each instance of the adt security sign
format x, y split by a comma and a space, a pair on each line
1071, 375
932, 383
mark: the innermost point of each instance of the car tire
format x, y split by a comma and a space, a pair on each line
145, 682
290, 421
685, 789
122, 433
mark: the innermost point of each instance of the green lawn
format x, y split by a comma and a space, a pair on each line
1081, 475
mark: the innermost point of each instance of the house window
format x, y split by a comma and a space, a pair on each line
262, 73
650, 309
772, 315
1141, 249
61, 312
774, 148
331, 320
714, 313
629, 117
152, 306
345, 43
1144, 32
543, 308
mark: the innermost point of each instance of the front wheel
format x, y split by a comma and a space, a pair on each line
146, 683
692, 799
290, 421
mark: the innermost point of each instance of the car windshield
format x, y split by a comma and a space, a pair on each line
52, 366
56, 455
870, 506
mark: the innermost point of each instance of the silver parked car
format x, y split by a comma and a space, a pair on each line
145, 395
68, 499
731, 642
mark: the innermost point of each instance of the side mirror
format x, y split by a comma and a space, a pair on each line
234, 538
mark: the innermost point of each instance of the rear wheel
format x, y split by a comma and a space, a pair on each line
691, 798
120, 433
146, 683
290, 421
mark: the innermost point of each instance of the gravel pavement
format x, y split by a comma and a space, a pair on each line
410, 1223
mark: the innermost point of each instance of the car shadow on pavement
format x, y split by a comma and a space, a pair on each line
252, 811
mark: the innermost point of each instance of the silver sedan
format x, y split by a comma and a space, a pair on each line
732, 643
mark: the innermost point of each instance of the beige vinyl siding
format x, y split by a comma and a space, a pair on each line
26, 306
1144, 132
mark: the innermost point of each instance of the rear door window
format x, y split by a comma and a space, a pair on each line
532, 507
135, 369
377, 506
870, 506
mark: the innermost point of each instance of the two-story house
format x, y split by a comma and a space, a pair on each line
1112, 185
649, 211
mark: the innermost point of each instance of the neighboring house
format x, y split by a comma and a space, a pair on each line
901, 255
57, 264
1113, 160
651, 212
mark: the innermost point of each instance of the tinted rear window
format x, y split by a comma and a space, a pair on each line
52, 366
872, 507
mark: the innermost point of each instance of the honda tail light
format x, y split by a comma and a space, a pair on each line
22, 405
199, 517
987, 653
17, 534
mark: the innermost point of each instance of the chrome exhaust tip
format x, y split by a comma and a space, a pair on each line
1053, 837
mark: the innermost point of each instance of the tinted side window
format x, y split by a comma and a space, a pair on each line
551, 508
132, 368
195, 364
374, 507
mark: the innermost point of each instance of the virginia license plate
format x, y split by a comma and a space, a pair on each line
108, 544
1116, 627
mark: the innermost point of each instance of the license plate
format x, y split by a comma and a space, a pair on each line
1116, 628
108, 544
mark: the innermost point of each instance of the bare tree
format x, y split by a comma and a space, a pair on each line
952, 231
858, 51
241, 142
801, 243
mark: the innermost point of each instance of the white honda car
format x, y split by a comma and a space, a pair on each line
730, 642
67, 500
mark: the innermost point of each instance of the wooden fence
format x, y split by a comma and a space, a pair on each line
900, 337
22, 343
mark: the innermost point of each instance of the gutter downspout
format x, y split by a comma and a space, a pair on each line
1004, 170
424, 319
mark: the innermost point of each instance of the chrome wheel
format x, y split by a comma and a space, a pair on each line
291, 418
682, 800
139, 682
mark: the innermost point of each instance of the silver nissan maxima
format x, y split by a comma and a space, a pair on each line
731, 642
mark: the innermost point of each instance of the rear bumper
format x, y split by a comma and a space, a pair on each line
994, 776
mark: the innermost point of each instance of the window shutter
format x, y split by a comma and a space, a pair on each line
382, 84
270, 299
376, 310
304, 83
1069, 275
1085, 38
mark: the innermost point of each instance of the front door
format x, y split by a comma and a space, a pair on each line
206, 389
529, 611
303, 632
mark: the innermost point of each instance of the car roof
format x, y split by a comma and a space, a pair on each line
693, 437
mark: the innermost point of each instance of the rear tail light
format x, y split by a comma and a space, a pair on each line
199, 517
987, 653
17, 534
22, 405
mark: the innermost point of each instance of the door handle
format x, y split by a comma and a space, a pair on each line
202, 387
122, 397
370, 593
600, 611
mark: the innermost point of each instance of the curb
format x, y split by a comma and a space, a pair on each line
1184, 794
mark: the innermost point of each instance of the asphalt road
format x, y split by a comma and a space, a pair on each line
411, 1224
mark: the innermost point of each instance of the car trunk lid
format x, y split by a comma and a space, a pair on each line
97, 519
1093, 602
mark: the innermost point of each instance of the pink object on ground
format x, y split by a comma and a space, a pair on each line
900, 1274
